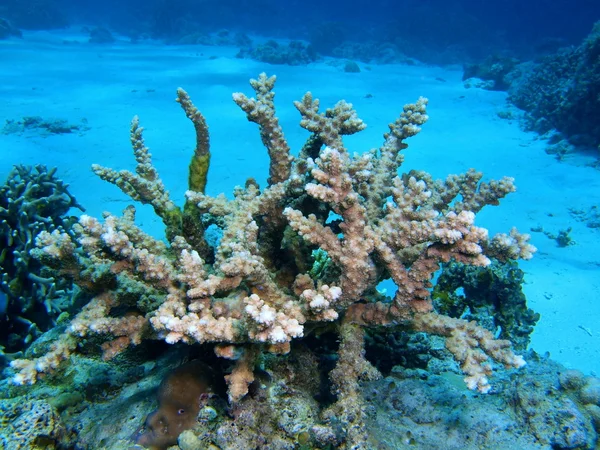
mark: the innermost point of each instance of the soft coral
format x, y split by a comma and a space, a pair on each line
180, 397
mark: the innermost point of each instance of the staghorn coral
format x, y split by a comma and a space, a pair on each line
562, 91
253, 293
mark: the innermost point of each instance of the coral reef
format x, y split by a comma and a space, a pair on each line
33, 200
351, 67
32, 424
543, 407
562, 92
254, 294
295, 53
43, 127
494, 69
591, 217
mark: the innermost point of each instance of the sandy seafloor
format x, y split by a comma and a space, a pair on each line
61, 75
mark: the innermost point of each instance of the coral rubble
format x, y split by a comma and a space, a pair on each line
301, 257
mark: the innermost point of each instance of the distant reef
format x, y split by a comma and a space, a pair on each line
7, 29
34, 14
559, 93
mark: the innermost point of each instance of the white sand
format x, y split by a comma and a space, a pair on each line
61, 75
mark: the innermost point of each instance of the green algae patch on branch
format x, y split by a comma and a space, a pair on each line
198, 175
200, 163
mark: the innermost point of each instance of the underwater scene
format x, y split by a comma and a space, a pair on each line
298, 225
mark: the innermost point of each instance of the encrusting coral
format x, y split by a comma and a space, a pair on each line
255, 291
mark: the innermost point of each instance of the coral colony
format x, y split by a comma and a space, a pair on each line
300, 256
32, 200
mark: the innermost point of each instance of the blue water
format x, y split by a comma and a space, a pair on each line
477, 27
73, 74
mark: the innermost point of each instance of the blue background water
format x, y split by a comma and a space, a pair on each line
518, 20
512, 25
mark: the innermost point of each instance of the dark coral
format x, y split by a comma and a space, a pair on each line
43, 126
491, 295
386, 350
293, 54
493, 68
32, 200
562, 92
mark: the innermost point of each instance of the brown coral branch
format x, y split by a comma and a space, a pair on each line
262, 112
331, 125
145, 187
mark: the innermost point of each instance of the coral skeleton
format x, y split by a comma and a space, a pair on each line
255, 291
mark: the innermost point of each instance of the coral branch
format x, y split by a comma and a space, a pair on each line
200, 162
145, 187
262, 112
471, 345
331, 125
354, 219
